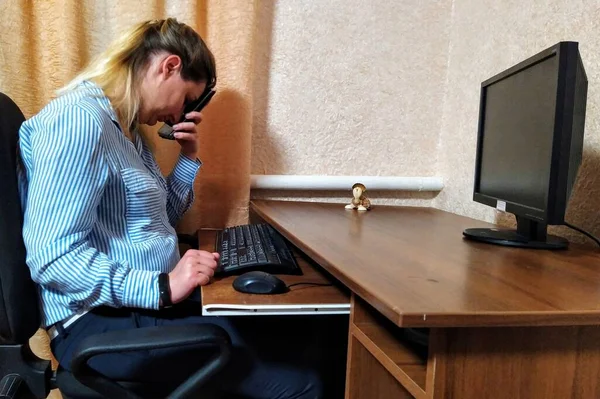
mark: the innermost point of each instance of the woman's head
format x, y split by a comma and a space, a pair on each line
151, 71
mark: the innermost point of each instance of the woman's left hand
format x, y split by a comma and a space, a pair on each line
186, 134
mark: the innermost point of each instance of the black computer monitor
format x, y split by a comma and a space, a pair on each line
529, 145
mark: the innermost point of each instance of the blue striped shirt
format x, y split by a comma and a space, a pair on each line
98, 214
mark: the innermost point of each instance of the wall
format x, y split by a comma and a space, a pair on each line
382, 88
348, 87
486, 37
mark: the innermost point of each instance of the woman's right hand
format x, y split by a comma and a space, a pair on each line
195, 268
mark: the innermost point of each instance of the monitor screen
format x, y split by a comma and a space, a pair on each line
518, 129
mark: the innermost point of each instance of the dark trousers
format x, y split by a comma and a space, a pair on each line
257, 369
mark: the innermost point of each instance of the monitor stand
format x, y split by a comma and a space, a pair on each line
529, 234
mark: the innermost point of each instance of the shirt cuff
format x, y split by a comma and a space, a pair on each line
186, 169
141, 289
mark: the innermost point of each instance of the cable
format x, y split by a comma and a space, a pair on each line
583, 232
309, 283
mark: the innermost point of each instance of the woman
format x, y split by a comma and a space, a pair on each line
99, 216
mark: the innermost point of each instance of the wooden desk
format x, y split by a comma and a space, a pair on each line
220, 299
504, 322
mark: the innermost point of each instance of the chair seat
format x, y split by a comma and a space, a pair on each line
70, 388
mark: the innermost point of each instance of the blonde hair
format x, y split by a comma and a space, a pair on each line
118, 70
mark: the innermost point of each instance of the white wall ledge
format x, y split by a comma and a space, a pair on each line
317, 182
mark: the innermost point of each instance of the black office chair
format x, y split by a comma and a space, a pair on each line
23, 374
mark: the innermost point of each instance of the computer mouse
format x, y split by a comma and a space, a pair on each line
257, 282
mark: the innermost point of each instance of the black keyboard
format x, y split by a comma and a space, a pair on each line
252, 247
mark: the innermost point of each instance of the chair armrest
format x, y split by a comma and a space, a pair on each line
190, 240
205, 335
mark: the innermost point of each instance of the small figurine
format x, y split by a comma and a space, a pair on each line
359, 201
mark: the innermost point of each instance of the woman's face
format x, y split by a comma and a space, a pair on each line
163, 92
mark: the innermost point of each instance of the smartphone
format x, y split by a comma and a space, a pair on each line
166, 131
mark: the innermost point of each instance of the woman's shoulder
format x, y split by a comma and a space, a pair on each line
79, 107
78, 100
73, 120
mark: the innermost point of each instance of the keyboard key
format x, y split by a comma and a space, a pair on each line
240, 236
232, 238
247, 234
251, 254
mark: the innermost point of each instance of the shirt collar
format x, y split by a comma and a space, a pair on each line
98, 94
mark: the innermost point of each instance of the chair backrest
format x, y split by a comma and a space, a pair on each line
19, 312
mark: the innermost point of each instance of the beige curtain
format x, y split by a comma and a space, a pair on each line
43, 43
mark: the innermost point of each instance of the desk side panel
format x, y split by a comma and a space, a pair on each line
515, 362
